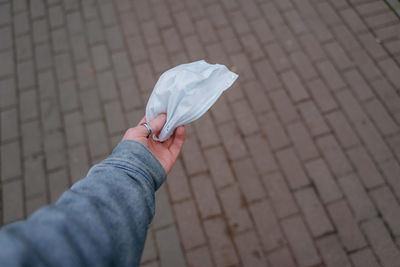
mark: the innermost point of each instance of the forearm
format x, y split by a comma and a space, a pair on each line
100, 221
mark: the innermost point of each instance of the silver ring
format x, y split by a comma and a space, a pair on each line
149, 130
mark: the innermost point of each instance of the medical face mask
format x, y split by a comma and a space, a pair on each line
186, 92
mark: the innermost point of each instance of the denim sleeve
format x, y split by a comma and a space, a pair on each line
100, 221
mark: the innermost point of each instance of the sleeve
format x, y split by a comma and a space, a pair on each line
100, 221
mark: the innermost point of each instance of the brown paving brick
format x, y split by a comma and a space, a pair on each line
170, 252
302, 141
358, 85
149, 251
323, 180
300, 241
233, 204
205, 195
251, 47
249, 249
273, 130
346, 225
292, 168
217, 54
238, 22
294, 86
248, 179
363, 258
334, 155
374, 48
381, 243
358, 199
332, 252
314, 213
303, 65
391, 70
286, 38
391, 171
366, 168
241, 62
366, 65
221, 245
342, 129
277, 56
267, 76
189, 224
281, 257
272, 14
244, 117
262, 30
235, 93
163, 214
338, 55
229, 41
267, 225
312, 47
178, 183
199, 257
331, 76
295, 22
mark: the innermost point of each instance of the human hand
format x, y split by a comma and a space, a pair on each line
165, 152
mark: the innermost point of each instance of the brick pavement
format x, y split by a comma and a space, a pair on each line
296, 165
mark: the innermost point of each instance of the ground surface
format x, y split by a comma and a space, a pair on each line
296, 165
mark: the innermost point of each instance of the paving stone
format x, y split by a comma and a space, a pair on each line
380, 241
64, 69
35, 203
323, 180
249, 249
219, 167
192, 157
232, 141
388, 207
61, 44
342, 129
261, 152
314, 212
129, 94
267, 225
313, 118
207, 132
107, 86
34, 176
100, 57
21, 23
58, 183
9, 124
346, 225
357, 196
56, 16
338, 55
68, 96
98, 145
13, 196
331, 76
205, 195
241, 62
300, 241
281, 257
322, 96
26, 76
284, 106
266, 74
50, 115
294, 86
79, 48
189, 224
364, 257
391, 170
146, 78
150, 250
10, 160
302, 141
229, 41
292, 168
31, 138
114, 118
280, 194
332, 252
199, 257
94, 31
90, 105
170, 252
245, 120
163, 215
7, 93
221, 245
248, 179
78, 163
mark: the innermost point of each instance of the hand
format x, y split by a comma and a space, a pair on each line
165, 152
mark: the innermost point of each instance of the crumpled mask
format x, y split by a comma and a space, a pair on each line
186, 92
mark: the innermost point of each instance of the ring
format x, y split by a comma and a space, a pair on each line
149, 130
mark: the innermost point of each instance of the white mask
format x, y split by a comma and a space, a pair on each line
186, 92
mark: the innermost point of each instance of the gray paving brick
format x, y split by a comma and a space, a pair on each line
54, 150
114, 118
130, 95
243, 114
303, 143
178, 183
261, 153
274, 130
366, 65
313, 118
170, 252
7, 41
265, 72
85, 76
346, 225
50, 115
78, 163
258, 99
10, 161
382, 119
31, 138
280, 194
40, 31
331, 76
216, 53
292, 168
312, 47
13, 196
388, 206
243, 66
232, 141
387, 95
381, 242
21, 23
159, 59
303, 65
219, 167
365, 167
332, 252
207, 132
363, 258
64, 69
281, 257
391, 170
34, 176
284, 106
221, 246
300, 241
358, 199
229, 41
26, 76
325, 184
267, 225
205, 196
100, 56
35, 203
56, 16
107, 85
342, 129
249, 249
199, 257
7, 93
334, 155
43, 52
60, 41
163, 215
79, 48
68, 96
5, 13
23, 47
358, 85
322, 96
294, 86
9, 124
150, 250
95, 32
98, 145
192, 157
122, 65
145, 76
338, 55
74, 128
90, 105
314, 212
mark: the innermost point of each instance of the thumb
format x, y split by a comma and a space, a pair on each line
157, 124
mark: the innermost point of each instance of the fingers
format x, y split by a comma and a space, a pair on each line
177, 142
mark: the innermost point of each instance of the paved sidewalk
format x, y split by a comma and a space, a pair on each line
296, 165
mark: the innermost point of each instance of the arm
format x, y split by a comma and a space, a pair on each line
103, 219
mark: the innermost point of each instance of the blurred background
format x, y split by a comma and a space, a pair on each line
296, 165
